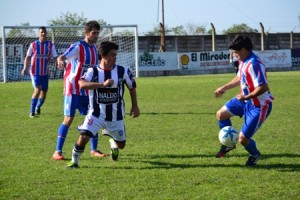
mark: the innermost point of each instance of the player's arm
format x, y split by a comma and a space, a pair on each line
135, 111
232, 84
26, 64
256, 92
86, 85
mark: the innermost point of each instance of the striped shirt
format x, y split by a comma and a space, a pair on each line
108, 103
40, 55
252, 73
80, 56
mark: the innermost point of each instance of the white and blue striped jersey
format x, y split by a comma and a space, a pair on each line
108, 103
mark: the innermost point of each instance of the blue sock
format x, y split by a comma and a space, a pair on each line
40, 103
61, 136
94, 142
251, 148
223, 123
33, 105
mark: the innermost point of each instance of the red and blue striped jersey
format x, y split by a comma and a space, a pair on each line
252, 73
40, 55
80, 56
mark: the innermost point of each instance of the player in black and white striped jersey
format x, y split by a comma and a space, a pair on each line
106, 84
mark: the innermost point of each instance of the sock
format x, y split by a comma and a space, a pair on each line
251, 148
61, 136
33, 105
113, 144
223, 123
94, 142
76, 153
40, 103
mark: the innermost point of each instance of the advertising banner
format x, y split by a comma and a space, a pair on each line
157, 61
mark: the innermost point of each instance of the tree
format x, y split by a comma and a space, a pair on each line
156, 31
178, 30
21, 32
71, 19
240, 28
193, 29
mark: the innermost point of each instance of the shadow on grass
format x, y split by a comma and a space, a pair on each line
155, 163
177, 113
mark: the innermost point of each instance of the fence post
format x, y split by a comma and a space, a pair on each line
262, 44
4, 55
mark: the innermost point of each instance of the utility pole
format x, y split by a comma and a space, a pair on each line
162, 29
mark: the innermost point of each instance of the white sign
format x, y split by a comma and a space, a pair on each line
157, 61
275, 58
203, 60
14, 53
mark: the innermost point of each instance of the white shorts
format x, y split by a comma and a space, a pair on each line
115, 129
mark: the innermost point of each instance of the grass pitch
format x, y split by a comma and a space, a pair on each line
171, 147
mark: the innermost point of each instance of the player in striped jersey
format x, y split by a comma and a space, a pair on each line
254, 101
38, 55
106, 84
80, 56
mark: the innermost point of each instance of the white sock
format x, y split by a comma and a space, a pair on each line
76, 156
113, 144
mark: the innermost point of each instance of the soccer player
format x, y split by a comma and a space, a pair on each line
254, 101
80, 56
38, 55
106, 84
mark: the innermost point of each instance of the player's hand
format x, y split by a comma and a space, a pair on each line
23, 72
108, 83
219, 92
61, 64
134, 112
241, 97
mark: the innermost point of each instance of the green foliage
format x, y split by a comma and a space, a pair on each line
240, 28
22, 32
170, 152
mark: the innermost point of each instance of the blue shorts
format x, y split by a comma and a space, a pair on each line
40, 81
73, 102
253, 116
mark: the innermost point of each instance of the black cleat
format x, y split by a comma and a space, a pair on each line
223, 150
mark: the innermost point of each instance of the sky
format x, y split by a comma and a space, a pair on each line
277, 16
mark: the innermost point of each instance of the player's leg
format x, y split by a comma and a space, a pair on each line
70, 105
43, 94
115, 130
88, 129
254, 117
83, 110
233, 107
37, 87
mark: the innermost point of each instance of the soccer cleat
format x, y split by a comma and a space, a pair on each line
32, 115
114, 153
252, 160
98, 153
223, 150
72, 165
57, 156
114, 150
38, 111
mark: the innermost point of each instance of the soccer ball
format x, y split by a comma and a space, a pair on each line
228, 136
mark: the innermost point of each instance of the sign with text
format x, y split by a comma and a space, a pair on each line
203, 60
14, 53
157, 61
275, 58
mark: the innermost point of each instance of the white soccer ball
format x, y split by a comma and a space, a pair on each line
228, 136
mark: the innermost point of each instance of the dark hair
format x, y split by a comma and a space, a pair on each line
240, 42
43, 28
105, 48
90, 25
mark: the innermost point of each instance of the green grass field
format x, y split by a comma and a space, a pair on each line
170, 152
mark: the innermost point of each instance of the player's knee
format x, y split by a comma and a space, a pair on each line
222, 114
121, 145
243, 140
